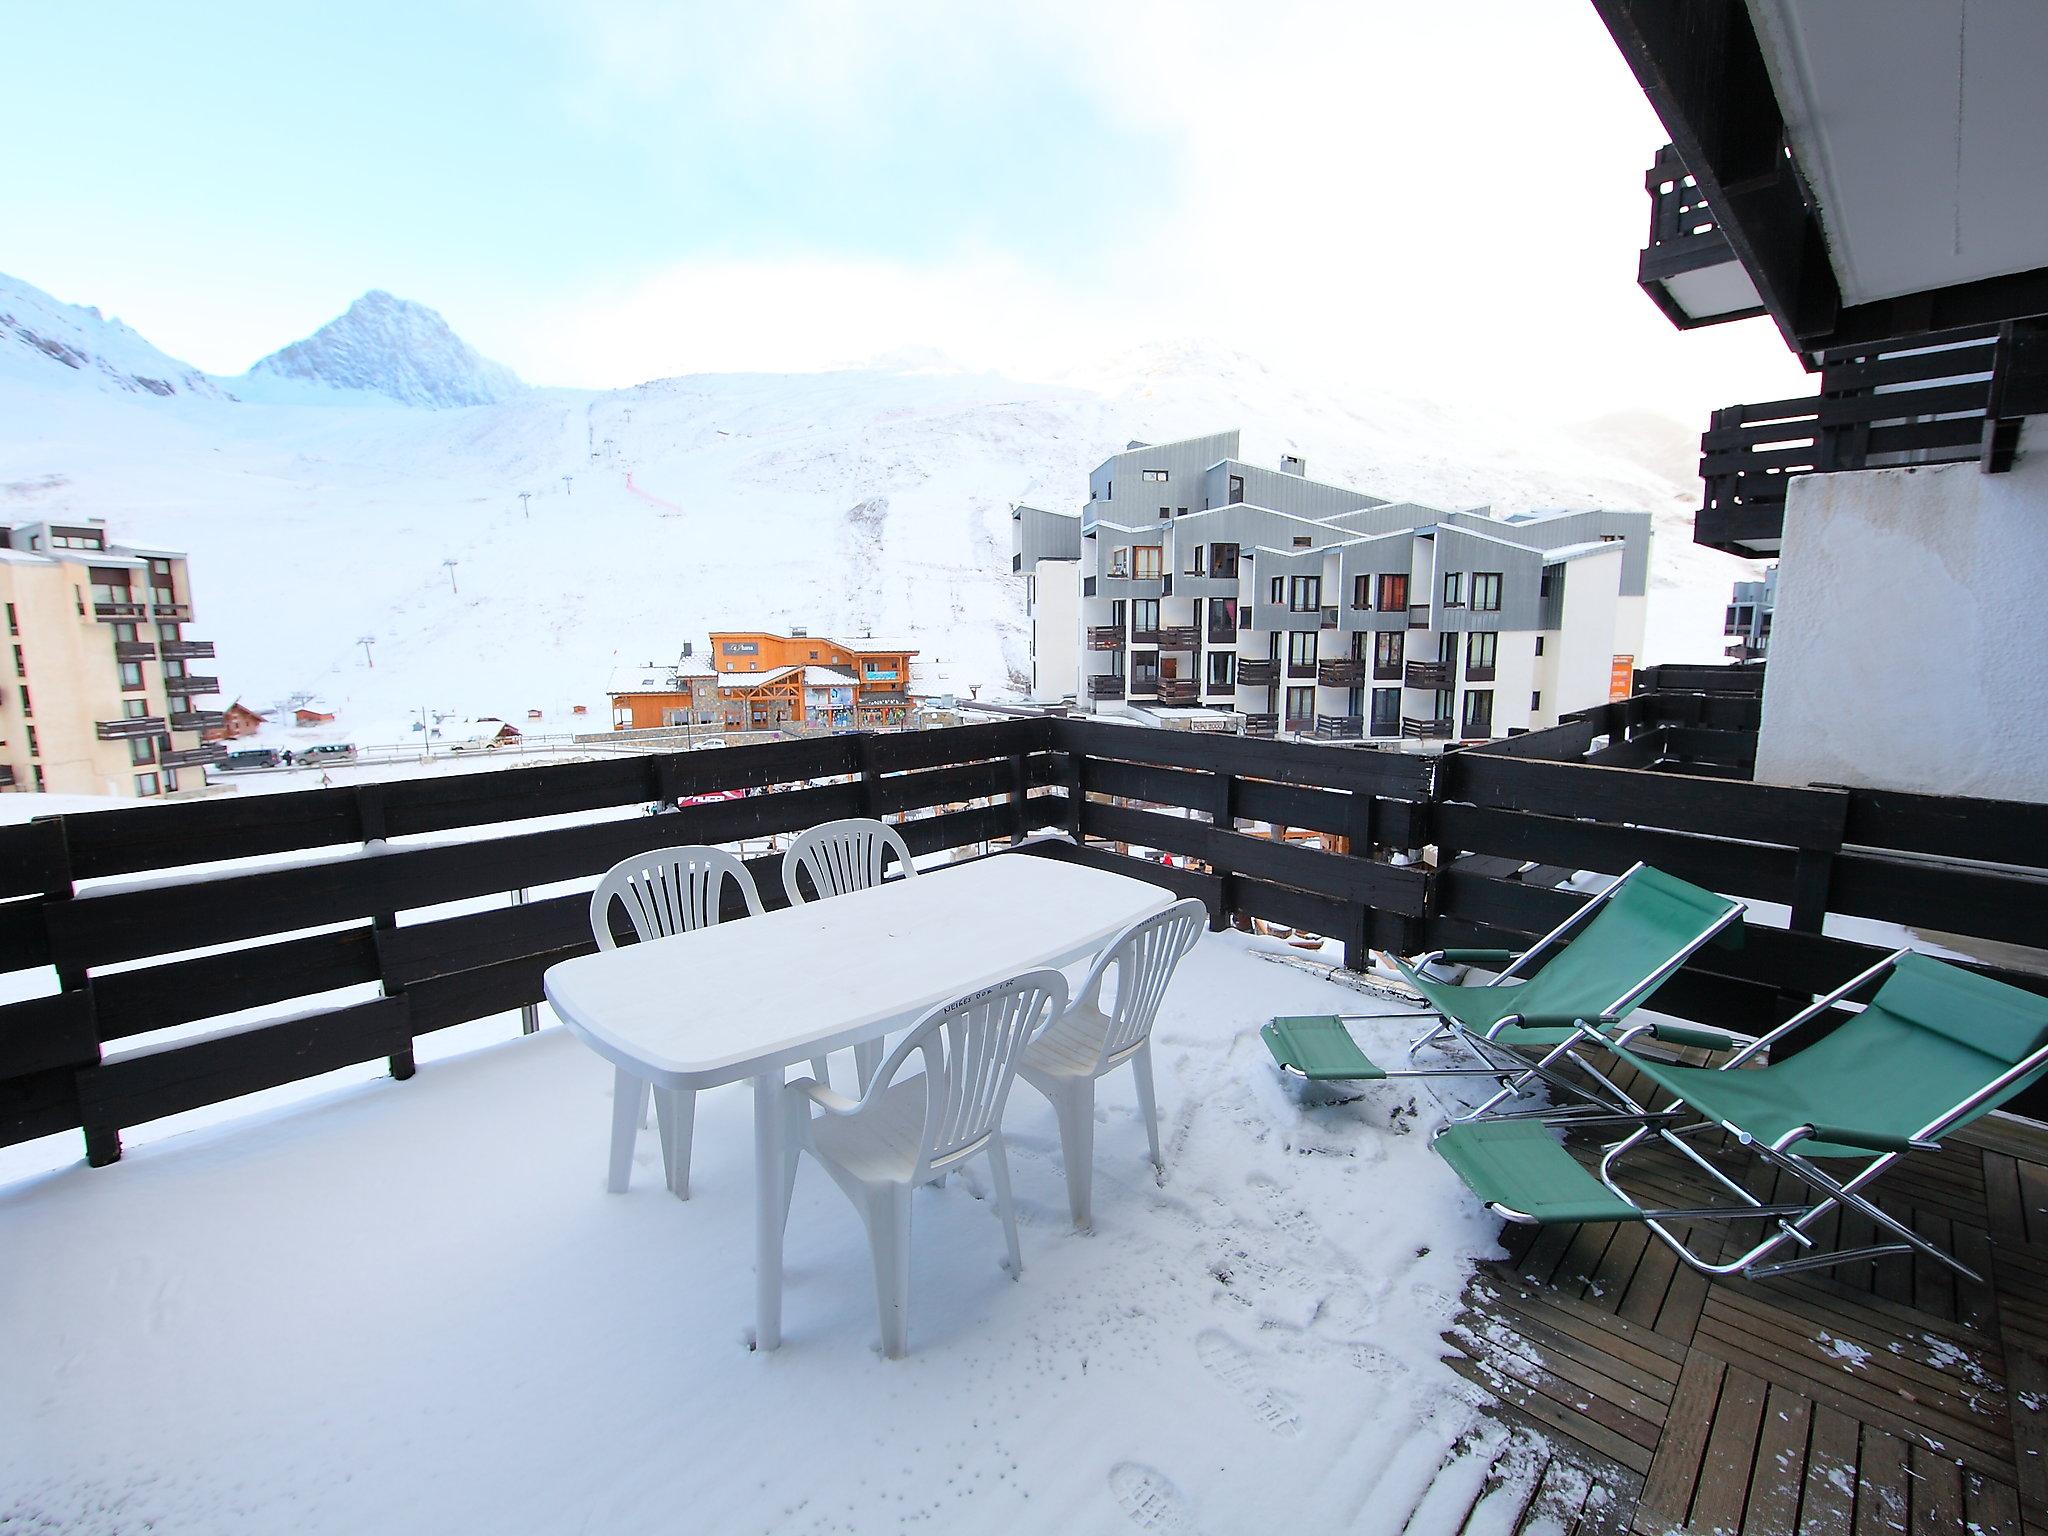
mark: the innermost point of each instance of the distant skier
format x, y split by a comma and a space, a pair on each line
287, 757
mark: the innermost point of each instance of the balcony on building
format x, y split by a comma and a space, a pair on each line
1180, 637
1480, 674
198, 719
1256, 673
129, 726
1428, 730
1689, 269
1299, 725
1430, 674
192, 682
171, 611
134, 650
188, 650
1106, 685
119, 613
1345, 672
1144, 637
195, 757
1339, 727
1179, 690
1261, 724
1105, 637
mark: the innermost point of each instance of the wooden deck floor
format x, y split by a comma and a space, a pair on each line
1890, 1396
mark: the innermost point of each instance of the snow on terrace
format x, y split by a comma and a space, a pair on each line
413, 1307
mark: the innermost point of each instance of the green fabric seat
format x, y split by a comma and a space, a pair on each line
1320, 1048
1932, 1036
1649, 918
1520, 1167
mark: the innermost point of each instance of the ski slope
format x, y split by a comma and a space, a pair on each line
864, 500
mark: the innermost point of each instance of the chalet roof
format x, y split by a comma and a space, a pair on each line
816, 676
755, 679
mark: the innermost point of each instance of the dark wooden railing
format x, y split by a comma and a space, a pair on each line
1105, 637
1106, 686
1339, 727
1341, 673
1180, 637
1430, 674
1875, 409
1256, 673
1428, 730
219, 922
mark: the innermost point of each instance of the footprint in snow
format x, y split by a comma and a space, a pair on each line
1150, 1499
1233, 1365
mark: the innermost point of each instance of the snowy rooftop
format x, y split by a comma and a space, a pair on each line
411, 1306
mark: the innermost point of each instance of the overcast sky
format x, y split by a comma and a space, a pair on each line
597, 192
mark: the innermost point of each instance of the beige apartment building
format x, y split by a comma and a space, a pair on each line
98, 692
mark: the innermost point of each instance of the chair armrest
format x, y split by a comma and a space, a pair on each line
1486, 957
1851, 1136
826, 1098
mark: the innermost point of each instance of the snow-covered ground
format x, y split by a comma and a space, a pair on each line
412, 1307
868, 500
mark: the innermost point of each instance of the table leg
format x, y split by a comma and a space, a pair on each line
768, 1180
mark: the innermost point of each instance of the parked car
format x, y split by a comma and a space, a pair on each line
710, 741
328, 752
249, 757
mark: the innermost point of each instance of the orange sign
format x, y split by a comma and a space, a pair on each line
1621, 682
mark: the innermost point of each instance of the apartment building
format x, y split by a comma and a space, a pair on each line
1750, 607
99, 696
767, 679
1215, 591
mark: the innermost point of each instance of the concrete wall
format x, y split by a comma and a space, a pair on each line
1910, 646
1585, 645
1055, 630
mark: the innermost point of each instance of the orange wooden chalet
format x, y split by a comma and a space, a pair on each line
761, 676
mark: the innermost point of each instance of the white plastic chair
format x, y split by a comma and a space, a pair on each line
899, 1135
843, 856
664, 891
1088, 1041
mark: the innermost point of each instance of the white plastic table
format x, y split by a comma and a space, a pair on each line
745, 999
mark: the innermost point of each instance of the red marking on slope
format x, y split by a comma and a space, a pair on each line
649, 496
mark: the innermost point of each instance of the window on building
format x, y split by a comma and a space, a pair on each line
1180, 512
1301, 653
1361, 592
1305, 594
1387, 648
1386, 712
34, 746
27, 708
1482, 652
1116, 613
1222, 670
1145, 616
77, 538
134, 709
1109, 490
1543, 582
1276, 591
1222, 620
1120, 561
1236, 489
13, 621
1486, 591
1301, 708
1158, 475
1539, 645
1223, 561
1146, 562
20, 663
1535, 702
1303, 541
145, 784
141, 749
1478, 713
1198, 561
170, 781
1454, 589
1393, 594
38, 772
131, 676
1165, 512
170, 633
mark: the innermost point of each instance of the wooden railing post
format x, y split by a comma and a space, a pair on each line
370, 813
1020, 790
1225, 816
1359, 822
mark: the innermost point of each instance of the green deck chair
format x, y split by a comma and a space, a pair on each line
1934, 1049
1617, 949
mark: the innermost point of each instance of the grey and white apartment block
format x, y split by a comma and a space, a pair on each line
1200, 590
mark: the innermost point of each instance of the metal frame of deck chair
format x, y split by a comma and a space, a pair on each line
1322, 1049
1934, 1049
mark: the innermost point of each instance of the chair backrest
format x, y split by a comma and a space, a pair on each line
1933, 1038
842, 856
667, 891
970, 1048
1143, 959
1647, 925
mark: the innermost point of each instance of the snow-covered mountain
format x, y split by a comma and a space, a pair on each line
35, 328
872, 499
384, 346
